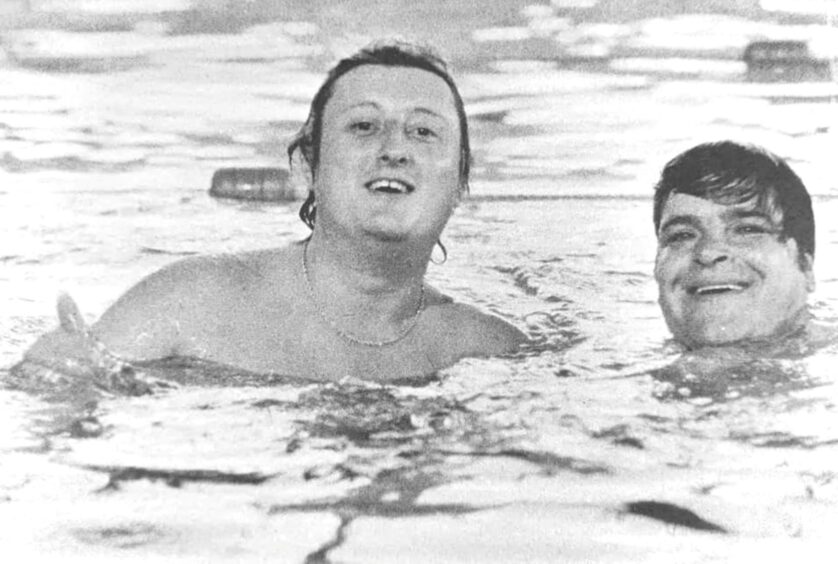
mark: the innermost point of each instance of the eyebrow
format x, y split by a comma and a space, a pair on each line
693, 221
430, 112
747, 214
419, 109
689, 220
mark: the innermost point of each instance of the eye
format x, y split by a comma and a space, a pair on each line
362, 126
679, 236
424, 132
747, 229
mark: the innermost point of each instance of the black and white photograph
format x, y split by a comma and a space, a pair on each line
432, 282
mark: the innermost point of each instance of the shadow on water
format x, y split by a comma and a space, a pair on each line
385, 446
399, 442
72, 390
411, 422
707, 378
769, 396
724, 374
391, 495
672, 514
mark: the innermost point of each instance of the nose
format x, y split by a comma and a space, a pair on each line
711, 251
394, 149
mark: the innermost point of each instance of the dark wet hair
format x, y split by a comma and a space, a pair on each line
394, 53
730, 173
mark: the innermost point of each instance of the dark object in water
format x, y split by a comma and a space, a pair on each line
85, 427
81, 64
53, 50
176, 477
784, 61
258, 184
672, 514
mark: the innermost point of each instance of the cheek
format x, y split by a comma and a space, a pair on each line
663, 265
336, 165
332, 155
443, 178
782, 266
444, 164
444, 155
658, 266
673, 260
790, 280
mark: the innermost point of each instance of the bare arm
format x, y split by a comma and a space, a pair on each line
147, 322
142, 324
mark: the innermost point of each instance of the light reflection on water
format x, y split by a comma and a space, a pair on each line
104, 180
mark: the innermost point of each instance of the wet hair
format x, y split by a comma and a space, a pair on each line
393, 53
732, 173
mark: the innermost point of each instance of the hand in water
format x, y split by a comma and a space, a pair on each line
71, 358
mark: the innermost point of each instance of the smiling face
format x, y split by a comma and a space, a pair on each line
389, 155
725, 275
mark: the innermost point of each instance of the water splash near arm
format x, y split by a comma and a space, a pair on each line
71, 361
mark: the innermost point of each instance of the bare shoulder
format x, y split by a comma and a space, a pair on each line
470, 331
158, 315
175, 285
200, 278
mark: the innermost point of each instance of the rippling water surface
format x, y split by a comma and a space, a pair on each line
603, 443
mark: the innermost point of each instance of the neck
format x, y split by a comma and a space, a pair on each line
369, 266
779, 340
371, 295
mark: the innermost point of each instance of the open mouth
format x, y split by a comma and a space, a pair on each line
389, 186
716, 289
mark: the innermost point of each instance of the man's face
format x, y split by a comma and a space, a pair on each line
724, 275
389, 156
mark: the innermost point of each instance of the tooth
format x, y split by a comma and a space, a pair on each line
718, 288
389, 185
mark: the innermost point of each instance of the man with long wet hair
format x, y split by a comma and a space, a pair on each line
386, 156
307, 141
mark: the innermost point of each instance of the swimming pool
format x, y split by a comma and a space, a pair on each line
600, 444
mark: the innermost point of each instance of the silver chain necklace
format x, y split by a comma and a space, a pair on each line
348, 336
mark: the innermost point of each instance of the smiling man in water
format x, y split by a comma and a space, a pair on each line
385, 152
736, 245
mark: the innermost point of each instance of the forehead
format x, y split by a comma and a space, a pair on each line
685, 205
402, 88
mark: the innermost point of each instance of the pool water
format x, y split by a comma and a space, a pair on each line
602, 442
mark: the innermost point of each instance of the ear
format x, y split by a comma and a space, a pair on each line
303, 162
807, 265
301, 175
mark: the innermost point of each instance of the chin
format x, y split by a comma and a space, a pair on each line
700, 333
387, 235
400, 232
720, 336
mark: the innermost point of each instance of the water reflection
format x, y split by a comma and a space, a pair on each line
723, 374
